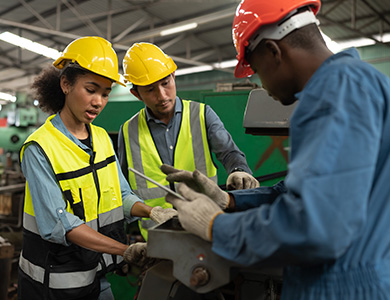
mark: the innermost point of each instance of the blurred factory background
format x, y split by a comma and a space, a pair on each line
196, 34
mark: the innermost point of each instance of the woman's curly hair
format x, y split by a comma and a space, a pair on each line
48, 90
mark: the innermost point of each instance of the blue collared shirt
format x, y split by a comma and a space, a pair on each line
49, 206
333, 210
165, 137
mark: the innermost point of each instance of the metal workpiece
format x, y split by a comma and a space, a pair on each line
194, 263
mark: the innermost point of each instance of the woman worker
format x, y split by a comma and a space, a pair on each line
76, 196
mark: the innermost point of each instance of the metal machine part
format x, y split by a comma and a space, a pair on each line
266, 116
192, 262
6, 254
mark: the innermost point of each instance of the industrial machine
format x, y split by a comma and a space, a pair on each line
266, 116
18, 121
190, 270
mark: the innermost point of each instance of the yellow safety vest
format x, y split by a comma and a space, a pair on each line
91, 189
191, 152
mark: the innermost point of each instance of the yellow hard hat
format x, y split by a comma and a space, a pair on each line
92, 53
145, 63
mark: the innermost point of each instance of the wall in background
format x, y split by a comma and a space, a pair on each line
378, 56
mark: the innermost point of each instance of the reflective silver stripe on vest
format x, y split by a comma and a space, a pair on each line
30, 223
68, 280
151, 193
109, 261
197, 141
136, 150
111, 216
93, 224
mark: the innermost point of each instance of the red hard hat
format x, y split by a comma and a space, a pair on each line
251, 15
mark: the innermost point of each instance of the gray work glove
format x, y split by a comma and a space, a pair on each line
199, 183
197, 214
160, 215
136, 254
241, 181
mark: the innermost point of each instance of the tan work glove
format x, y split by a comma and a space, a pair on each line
241, 181
161, 215
136, 254
199, 183
196, 215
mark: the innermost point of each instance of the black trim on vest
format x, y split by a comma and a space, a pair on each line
78, 208
172, 186
86, 170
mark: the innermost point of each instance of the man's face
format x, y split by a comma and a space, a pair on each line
269, 63
159, 97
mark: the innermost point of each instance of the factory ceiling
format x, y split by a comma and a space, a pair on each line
123, 22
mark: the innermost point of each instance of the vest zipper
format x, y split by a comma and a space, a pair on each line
96, 180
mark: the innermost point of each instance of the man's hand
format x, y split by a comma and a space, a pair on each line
199, 183
196, 215
241, 181
160, 215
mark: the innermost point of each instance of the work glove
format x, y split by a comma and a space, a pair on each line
135, 254
160, 215
199, 183
241, 181
197, 214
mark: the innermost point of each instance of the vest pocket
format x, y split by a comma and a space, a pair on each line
83, 201
109, 200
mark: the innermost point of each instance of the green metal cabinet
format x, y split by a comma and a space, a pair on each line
265, 154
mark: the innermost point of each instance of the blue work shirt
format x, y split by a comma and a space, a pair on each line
47, 197
165, 137
328, 223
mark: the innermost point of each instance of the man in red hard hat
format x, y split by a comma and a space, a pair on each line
327, 222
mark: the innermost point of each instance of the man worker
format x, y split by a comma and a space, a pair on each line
327, 222
171, 131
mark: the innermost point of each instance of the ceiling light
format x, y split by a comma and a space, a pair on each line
226, 64
179, 29
29, 45
192, 70
332, 45
221, 65
7, 97
360, 42
384, 38
356, 43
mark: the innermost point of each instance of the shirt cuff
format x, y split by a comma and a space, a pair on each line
66, 222
128, 203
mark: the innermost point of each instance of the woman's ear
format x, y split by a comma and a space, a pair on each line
65, 84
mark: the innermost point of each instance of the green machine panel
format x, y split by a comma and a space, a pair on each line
116, 113
265, 155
